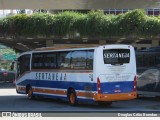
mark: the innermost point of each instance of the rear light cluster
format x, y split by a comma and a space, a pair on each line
135, 84
99, 85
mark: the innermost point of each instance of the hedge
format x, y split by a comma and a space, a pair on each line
92, 24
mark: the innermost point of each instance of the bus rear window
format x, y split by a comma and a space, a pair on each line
116, 56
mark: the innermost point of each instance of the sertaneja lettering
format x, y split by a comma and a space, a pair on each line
116, 55
50, 76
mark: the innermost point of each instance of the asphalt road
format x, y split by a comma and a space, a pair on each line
11, 101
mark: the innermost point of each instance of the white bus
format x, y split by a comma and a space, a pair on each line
96, 74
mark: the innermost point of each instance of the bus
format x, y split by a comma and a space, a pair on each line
148, 72
102, 74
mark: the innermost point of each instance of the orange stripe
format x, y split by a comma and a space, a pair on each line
21, 88
61, 92
97, 97
85, 94
115, 97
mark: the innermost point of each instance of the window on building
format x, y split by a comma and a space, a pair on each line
150, 12
112, 11
156, 12
118, 11
106, 11
125, 10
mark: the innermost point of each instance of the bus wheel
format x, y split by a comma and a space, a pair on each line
72, 98
104, 103
30, 93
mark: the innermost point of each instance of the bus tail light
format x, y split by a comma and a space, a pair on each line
135, 84
99, 85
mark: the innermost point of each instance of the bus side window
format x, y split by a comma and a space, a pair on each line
23, 64
50, 60
64, 60
37, 61
90, 56
79, 59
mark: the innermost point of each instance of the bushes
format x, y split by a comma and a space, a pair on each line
64, 23
92, 24
132, 22
151, 27
39, 25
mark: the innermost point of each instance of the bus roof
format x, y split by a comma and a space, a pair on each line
65, 47
61, 48
68, 48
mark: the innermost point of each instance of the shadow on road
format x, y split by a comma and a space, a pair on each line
7, 85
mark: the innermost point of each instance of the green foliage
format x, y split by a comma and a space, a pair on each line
7, 51
39, 24
64, 23
6, 65
92, 24
132, 22
4, 27
80, 25
151, 27
17, 24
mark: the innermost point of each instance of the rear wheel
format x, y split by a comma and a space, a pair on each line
72, 98
30, 93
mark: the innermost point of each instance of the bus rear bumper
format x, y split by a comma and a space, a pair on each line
115, 97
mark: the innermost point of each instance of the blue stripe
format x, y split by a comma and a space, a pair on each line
59, 84
110, 87
107, 87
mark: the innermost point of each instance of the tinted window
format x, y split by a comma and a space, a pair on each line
44, 60
79, 59
50, 60
37, 61
64, 60
23, 64
90, 57
116, 56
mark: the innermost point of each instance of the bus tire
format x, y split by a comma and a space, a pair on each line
104, 103
72, 98
30, 93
